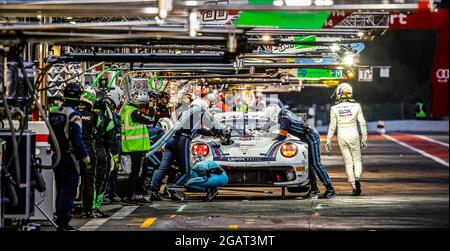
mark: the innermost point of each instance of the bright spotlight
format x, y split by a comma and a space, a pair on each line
278, 2
324, 2
360, 34
150, 10
348, 60
298, 2
265, 38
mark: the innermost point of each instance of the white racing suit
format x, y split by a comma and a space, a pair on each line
345, 115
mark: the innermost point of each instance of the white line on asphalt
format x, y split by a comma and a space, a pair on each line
445, 163
431, 140
93, 224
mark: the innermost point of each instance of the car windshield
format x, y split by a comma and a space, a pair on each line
253, 127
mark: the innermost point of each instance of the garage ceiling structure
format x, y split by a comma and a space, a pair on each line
260, 42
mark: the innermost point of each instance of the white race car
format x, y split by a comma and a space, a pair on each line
254, 158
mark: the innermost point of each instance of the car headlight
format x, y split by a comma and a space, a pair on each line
200, 149
289, 150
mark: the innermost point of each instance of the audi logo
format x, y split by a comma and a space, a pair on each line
442, 75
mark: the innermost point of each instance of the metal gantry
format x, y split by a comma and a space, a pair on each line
173, 36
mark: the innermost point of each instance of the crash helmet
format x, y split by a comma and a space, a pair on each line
271, 112
344, 91
72, 92
115, 95
140, 99
202, 103
166, 124
89, 95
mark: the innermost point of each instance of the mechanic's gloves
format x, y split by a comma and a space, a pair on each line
87, 162
116, 160
328, 146
364, 144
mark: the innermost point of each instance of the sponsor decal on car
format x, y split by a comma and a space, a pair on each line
244, 159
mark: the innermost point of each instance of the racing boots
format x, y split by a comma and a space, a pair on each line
211, 193
313, 193
154, 196
357, 190
140, 199
127, 201
100, 214
329, 193
88, 215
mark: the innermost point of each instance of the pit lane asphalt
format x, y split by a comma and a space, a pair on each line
402, 189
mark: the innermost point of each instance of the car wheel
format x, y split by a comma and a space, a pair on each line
303, 189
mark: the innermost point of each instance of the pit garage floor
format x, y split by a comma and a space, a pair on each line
402, 189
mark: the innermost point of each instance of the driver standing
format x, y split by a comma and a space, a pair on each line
344, 115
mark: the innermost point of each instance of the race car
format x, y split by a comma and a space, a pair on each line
254, 158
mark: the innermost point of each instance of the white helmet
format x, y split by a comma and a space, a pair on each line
202, 103
166, 124
116, 95
271, 112
344, 91
140, 98
89, 95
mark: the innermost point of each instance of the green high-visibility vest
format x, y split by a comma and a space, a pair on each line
134, 134
421, 113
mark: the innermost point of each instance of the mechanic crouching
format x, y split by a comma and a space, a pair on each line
136, 143
292, 124
178, 148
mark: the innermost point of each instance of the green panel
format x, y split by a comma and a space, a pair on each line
313, 73
311, 38
295, 48
284, 20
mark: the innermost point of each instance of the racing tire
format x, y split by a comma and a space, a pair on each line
302, 189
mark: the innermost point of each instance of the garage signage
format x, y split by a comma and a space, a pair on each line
314, 73
365, 75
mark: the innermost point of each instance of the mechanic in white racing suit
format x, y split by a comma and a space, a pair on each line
345, 114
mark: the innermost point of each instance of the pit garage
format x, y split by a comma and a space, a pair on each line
238, 58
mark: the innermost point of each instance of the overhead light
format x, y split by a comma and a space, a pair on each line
360, 34
194, 24
298, 2
335, 47
266, 38
191, 3
278, 2
150, 10
324, 2
348, 60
